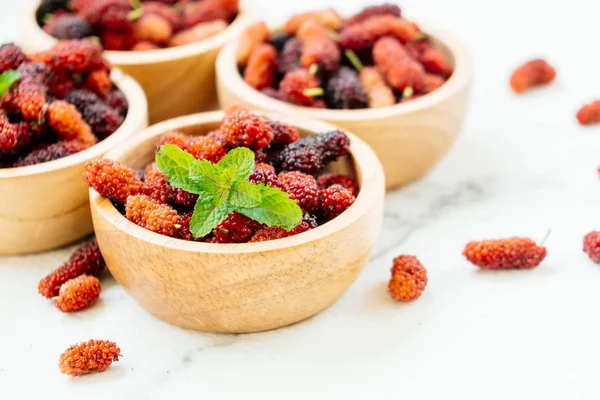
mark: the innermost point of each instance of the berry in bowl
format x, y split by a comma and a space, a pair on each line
237, 223
400, 86
58, 109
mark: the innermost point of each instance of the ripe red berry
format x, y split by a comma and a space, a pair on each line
283, 134
27, 97
111, 179
515, 252
68, 123
205, 148
178, 139
83, 55
294, 85
149, 214
117, 101
51, 152
264, 175
165, 11
301, 187
589, 114
158, 188
14, 136
363, 35
185, 233
11, 57
85, 260
153, 28
242, 128
261, 68
409, 279
400, 70
335, 200
209, 10
236, 228
275, 232
591, 246
371, 11
98, 82
533, 73
432, 82
253, 35
317, 47
327, 17
435, 62
347, 182
78, 293
85, 357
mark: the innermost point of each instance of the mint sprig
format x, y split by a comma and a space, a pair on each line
7, 79
224, 188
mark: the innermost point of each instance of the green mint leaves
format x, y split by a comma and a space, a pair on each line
224, 187
7, 79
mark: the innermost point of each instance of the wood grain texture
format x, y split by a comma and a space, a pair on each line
177, 81
46, 206
241, 287
409, 138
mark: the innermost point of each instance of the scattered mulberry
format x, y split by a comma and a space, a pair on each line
51, 152
532, 73
205, 148
344, 90
111, 179
294, 86
378, 92
26, 96
289, 59
335, 200
11, 57
283, 134
67, 27
85, 260
301, 187
311, 154
262, 64
78, 293
117, 101
236, 228
175, 138
254, 35
435, 62
400, 70
371, 11
363, 35
151, 215
68, 123
516, 252
591, 246
589, 114
85, 357
409, 278
275, 232
98, 82
103, 120
246, 129
347, 182
328, 17
317, 47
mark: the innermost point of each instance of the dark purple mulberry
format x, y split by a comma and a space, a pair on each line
67, 27
289, 59
279, 40
48, 7
38, 71
102, 119
51, 152
117, 101
311, 154
11, 57
344, 90
82, 99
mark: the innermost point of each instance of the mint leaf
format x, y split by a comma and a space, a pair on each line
175, 164
212, 179
276, 209
7, 79
243, 161
207, 215
245, 194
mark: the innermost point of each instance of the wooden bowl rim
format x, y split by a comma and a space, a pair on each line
127, 58
365, 161
138, 110
461, 77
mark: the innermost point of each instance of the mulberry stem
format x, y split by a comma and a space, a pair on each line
313, 92
353, 58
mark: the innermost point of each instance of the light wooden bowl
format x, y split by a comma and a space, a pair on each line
46, 206
177, 81
241, 287
409, 138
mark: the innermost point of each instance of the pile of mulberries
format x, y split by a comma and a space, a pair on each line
373, 59
139, 25
61, 103
283, 160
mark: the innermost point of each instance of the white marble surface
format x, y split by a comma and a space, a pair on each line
521, 167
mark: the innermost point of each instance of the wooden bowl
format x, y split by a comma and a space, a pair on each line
241, 287
409, 138
46, 206
177, 81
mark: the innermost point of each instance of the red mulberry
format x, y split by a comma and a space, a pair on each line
76, 55
363, 35
51, 152
61, 83
275, 232
111, 179
85, 357
209, 10
175, 138
347, 182
378, 92
302, 188
110, 15
533, 73
98, 82
151, 215
328, 17
185, 233
78, 293
295, 84
344, 90
85, 260
153, 28
283, 134
516, 252
317, 47
264, 176
589, 114
435, 62
591, 246
400, 70
11, 57
68, 123
260, 72
432, 83
26, 96
158, 188
205, 148
409, 279
246, 129
14, 136
236, 228
371, 11
253, 35
335, 200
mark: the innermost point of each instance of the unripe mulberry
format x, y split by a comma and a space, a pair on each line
317, 47
515, 252
98, 82
11, 57
591, 246
275, 232
347, 182
205, 148
409, 279
335, 200
85, 260
378, 92
68, 123
253, 35
78, 293
86, 357
236, 228
399, 69
589, 114
327, 17
533, 73
363, 35
344, 90
247, 129
51, 152
371, 11
294, 85
151, 215
301, 187
111, 179
262, 64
